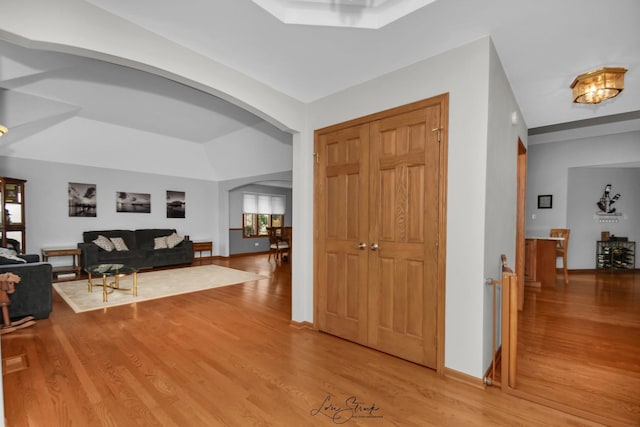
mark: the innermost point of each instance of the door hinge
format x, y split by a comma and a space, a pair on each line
316, 157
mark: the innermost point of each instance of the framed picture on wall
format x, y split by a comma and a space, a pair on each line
175, 204
133, 202
82, 200
545, 201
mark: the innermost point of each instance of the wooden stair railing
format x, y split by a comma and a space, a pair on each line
507, 352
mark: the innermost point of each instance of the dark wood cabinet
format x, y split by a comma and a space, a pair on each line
12, 219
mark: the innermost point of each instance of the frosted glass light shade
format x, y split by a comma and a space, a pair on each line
599, 85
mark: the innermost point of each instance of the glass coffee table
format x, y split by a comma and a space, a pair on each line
116, 271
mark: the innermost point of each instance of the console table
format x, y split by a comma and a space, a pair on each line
74, 253
202, 247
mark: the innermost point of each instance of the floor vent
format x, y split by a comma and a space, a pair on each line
14, 364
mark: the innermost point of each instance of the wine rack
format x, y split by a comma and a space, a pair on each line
616, 255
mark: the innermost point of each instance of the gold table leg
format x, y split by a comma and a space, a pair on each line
135, 284
115, 285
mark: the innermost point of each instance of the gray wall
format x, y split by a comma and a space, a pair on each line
237, 243
586, 185
240, 245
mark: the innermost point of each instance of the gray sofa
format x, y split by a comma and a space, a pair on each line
140, 253
33, 295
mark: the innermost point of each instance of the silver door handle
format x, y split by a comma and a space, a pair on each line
374, 247
362, 246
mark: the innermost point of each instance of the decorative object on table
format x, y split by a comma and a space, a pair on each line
133, 202
606, 201
82, 200
8, 283
175, 204
545, 201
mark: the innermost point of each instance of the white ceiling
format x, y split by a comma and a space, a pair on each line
45, 85
542, 44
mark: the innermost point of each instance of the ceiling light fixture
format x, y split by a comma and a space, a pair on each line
3, 130
599, 85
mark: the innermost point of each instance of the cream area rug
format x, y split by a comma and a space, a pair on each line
151, 285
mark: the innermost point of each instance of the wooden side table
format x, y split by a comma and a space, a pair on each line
74, 253
202, 247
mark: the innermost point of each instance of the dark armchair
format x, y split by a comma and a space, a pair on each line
33, 294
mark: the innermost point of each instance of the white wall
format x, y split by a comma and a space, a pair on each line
464, 74
548, 173
47, 212
87, 142
251, 151
499, 232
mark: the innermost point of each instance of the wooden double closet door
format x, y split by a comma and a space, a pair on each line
379, 228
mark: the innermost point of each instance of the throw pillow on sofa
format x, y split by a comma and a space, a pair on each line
9, 256
119, 244
104, 243
160, 242
174, 240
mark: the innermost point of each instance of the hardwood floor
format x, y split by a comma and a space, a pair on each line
230, 357
580, 344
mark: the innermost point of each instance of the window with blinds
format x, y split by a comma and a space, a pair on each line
261, 211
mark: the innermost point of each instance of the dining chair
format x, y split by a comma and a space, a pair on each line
278, 243
562, 248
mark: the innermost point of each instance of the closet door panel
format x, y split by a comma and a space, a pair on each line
402, 290
342, 196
